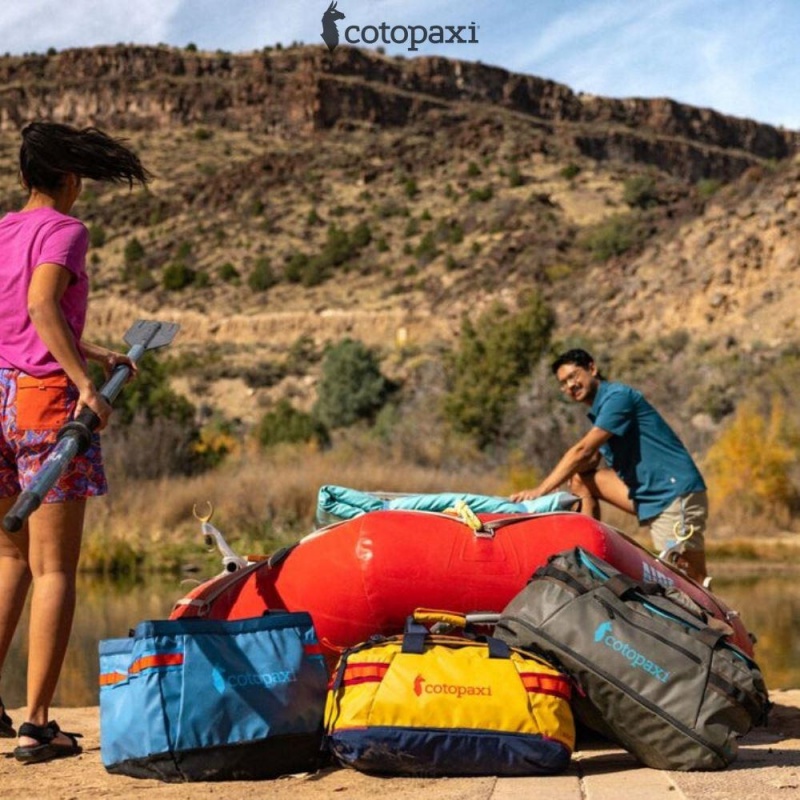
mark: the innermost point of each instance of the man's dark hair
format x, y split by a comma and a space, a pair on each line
50, 151
578, 357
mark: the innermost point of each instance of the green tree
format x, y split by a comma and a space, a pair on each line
495, 355
285, 423
351, 386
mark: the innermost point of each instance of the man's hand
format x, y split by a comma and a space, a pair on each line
526, 494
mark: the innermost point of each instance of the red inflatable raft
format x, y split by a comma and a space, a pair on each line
366, 575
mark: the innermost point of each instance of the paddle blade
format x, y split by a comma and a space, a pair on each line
150, 334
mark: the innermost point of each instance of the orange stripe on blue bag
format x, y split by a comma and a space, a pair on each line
110, 678
156, 661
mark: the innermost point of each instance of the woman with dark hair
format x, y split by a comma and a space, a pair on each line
43, 382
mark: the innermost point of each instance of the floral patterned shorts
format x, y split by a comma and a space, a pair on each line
32, 410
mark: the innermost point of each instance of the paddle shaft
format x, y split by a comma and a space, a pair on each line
76, 436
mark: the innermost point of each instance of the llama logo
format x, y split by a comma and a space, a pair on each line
602, 631
330, 33
418, 681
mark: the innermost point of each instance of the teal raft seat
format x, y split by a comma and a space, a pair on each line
337, 503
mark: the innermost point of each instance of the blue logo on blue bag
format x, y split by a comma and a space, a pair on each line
238, 680
218, 681
604, 635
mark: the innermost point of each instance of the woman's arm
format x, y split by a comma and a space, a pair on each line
48, 284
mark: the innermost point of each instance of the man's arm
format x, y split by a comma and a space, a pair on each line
580, 457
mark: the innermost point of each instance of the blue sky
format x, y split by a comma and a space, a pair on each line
741, 57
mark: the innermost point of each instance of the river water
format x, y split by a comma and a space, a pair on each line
769, 606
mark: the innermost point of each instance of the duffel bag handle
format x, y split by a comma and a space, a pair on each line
430, 616
416, 633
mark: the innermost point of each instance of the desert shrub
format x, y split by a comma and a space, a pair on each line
351, 386
339, 247
570, 171
426, 250
216, 440
301, 356
228, 273
708, 187
262, 277
482, 195
514, 177
410, 188
97, 236
612, 237
495, 355
412, 227
361, 235
133, 252
749, 466
473, 170
177, 276
202, 280
295, 267
285, 423
641, 191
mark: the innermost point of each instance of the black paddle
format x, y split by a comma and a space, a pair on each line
76, 436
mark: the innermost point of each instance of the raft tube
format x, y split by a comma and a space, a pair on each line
365, 575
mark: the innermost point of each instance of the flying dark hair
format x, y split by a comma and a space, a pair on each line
51, 150
578, 357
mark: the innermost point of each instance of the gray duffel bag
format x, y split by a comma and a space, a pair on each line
656, 677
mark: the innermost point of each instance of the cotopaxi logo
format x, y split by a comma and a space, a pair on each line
604, 635
457, 690
384, 33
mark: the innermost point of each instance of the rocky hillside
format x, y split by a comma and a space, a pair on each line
302, 196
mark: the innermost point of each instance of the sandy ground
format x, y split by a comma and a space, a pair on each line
768, 767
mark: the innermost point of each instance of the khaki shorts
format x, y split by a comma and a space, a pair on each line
686, 514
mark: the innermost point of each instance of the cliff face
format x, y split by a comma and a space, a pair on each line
303, 90
303, 196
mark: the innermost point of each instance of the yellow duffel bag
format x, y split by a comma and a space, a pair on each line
423, 703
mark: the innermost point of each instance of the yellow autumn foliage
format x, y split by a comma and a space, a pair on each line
749, 466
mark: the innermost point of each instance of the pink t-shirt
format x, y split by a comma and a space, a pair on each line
28, 239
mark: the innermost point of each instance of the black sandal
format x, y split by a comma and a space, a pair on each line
46, 749
6, 725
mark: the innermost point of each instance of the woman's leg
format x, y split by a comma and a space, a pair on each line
55, 543
15, 578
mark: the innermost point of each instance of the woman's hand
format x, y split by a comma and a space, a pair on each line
92, 399
108, 359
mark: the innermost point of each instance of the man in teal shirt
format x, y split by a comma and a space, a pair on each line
650, 473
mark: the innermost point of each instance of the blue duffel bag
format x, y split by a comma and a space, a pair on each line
208, 700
